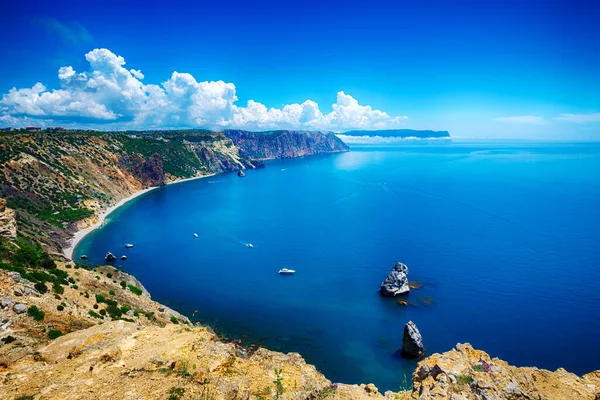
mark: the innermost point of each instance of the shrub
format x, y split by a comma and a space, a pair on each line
35, 313
71, 280
114, 311
100, 298
41, 287
123, 284
102, 312
94, 314
54, 333
111, 292
57, 288
174, 320
124, 309
95, 306
109, 275
135, 290
75, 287
60, 307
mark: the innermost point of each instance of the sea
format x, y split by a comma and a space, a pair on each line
502, 242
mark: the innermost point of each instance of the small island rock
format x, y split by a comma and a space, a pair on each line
412, 341
396, 282
241, 173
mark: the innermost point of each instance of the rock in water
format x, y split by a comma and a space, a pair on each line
396, 282
412, 342
241, 173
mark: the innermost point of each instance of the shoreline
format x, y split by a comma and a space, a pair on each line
82, 233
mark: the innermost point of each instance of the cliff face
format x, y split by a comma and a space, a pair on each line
285, 144
466, 373
8, 222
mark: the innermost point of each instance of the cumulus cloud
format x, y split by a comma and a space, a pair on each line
109, 93
523, 119
580, 118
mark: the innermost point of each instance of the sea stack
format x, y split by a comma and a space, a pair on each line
241, 173
412, 341
396, 282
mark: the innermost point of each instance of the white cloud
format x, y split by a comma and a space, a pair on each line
523, 119
580, 118
111, 94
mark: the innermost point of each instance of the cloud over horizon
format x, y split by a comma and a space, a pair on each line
110, 95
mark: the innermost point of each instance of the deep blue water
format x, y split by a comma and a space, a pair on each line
504, 238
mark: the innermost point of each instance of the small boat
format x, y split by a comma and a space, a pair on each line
110, 257
195, 235
285, 271
128, 246
83, 257
249, 245
123, 257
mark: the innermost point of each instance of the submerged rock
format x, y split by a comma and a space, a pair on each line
396, 282
412, 342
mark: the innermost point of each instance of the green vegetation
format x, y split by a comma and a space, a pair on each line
94, 314
176, 393
174, 320
478, 368
57, 288
123, 284
109, 275
111, 292
278, 382
464, 379
135, 290
54, 333
60, 307
35, 313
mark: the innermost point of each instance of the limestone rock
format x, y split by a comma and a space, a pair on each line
19, 308
241, 173
6, 302
15, 276
412, 341
466, 373
8, 222
396, 282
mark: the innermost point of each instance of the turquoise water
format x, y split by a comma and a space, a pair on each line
503, 238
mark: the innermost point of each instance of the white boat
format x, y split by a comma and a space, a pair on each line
195, 235
128, 246
285, 271
249, 245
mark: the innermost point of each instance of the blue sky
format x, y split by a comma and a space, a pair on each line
527, 69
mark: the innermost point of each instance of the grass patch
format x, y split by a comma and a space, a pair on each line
464, 379
135, 290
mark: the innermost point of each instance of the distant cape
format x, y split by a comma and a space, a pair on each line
401, 133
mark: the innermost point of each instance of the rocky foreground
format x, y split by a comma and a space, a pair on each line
151, 352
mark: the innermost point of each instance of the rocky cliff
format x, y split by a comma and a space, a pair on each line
8, 221
285, 144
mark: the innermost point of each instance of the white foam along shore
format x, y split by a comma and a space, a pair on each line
79, 235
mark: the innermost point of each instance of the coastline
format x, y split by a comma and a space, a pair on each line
80, 234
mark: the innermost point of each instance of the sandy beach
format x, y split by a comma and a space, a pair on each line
79, 235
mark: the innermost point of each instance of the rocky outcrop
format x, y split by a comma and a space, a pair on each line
285, 144
241, 173
412, 341
396, 282
8, 221
466, 373
153, 173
